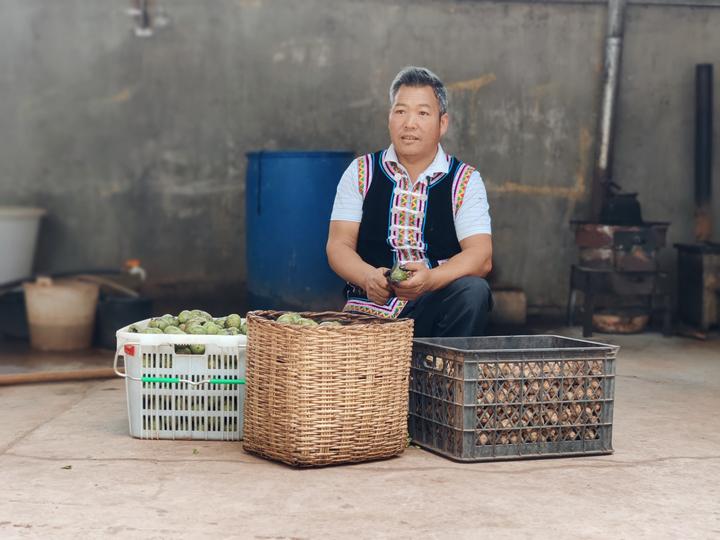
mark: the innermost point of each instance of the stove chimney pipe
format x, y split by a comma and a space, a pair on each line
703, 151
611, 77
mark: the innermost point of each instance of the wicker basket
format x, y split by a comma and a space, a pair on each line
325, 395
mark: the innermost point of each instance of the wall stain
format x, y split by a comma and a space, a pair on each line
122, 96
472, 84
573, 193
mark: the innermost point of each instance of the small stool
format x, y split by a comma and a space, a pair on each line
594, 282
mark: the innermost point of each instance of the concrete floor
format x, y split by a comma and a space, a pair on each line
69, 470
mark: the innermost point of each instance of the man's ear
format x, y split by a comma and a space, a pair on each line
444, 121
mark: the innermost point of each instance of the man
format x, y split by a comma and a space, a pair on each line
415, 205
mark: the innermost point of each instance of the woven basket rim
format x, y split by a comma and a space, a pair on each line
345, 318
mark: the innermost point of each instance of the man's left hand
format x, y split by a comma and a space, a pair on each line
416, 285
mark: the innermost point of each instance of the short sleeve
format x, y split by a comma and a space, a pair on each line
473, 215
348, 198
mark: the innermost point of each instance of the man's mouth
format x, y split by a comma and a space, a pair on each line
409, 138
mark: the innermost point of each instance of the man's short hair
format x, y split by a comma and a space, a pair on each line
420, 76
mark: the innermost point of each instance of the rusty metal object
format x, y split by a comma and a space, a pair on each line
593, 235
636, 259
703, 151
598, 235
620, 322
598, 258
636, 250
703, 223
620, 247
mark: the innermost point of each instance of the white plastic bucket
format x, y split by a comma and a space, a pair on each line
18, 236
61, 314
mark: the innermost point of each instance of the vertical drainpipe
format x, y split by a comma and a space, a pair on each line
611, 76
703, 151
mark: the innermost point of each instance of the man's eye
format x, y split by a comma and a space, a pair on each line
424, 113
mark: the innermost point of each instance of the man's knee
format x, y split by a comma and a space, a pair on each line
474, 291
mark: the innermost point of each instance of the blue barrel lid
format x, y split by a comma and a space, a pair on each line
300, 153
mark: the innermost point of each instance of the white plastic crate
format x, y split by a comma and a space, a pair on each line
183, 396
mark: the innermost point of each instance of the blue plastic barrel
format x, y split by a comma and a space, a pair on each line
289, 198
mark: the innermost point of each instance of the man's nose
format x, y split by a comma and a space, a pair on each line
411, 121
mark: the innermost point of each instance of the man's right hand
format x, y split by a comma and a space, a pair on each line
376, 286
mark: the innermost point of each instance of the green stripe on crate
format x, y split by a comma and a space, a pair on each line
161, 379
176, 380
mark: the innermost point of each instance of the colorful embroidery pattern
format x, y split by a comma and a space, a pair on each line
365, 166
460, 183
407, 214
389, 170
388, 311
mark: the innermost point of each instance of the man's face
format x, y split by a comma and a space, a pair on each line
415, 123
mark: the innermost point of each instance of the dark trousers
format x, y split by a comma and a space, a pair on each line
461, 309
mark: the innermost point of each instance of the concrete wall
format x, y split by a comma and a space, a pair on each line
654, 151
136, 145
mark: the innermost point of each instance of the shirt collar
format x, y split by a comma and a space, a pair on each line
441, 163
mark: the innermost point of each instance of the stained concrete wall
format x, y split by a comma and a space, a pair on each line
136, 145
656, 114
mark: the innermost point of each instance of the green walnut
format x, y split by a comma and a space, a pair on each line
152, 331
233, 321
399, 273
172, 330
211, 328
199, 313
195, 329
289, 318
330, 323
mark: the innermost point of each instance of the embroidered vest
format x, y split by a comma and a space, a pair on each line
403, 225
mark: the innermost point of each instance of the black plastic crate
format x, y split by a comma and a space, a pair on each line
510, 397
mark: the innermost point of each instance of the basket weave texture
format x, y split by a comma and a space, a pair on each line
325, 395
